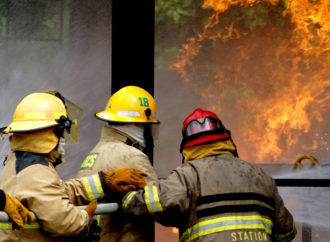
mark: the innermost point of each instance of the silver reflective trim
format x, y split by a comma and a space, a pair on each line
224, 223
93, 187
152, 200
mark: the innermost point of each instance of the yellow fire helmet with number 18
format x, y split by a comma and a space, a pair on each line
130, 104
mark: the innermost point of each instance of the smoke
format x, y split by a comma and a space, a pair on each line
80, 70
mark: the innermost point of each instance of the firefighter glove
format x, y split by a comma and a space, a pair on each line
91, 210
124, 179
17, 212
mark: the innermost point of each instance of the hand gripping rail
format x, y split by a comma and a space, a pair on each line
100, 209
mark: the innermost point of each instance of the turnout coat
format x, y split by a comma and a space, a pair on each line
33, 179
118, 150
216, 198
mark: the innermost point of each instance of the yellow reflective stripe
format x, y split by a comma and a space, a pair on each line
34, 225
127, 199
287, 235
98, 218
98, 185
156, 198
147, 199
225, 224
35, 115
6, 226
93, 187
41, 115
152, 199
88, 188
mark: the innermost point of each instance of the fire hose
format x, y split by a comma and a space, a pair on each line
297, 163
104, 208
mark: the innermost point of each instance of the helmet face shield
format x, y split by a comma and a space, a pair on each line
72, 135
70, 124
201, 126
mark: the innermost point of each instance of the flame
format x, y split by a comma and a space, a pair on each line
271, 85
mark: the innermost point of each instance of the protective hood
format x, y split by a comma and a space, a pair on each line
41, 141
134, 131
225, 147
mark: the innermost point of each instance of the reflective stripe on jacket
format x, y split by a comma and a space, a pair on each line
115, 150
217, 198
33, 180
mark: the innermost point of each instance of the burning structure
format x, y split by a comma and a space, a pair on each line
269, 76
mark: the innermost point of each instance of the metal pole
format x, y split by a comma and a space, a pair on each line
287, 182
100, 209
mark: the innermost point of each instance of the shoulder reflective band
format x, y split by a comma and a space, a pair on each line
93, 187
127, 199
152, 199
211, 226
286, 236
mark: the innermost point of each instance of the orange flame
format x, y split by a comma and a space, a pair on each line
271, 85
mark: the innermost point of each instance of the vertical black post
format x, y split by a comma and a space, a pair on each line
133, 45
132, 59
133, 24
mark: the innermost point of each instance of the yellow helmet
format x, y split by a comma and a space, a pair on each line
130, 104
37, 111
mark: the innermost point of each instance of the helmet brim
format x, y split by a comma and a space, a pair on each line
118, 119
205, 139
26, 126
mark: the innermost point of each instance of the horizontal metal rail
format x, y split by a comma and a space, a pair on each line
301, 182
281, 182
100, 209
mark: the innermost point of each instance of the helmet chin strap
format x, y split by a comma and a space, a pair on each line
60, 146
59, 132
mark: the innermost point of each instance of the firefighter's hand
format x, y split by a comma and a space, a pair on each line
17, 212
124, 179
91, 210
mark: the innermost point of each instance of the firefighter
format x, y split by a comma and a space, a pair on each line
214, 196
15, 209
125, 141
39, 123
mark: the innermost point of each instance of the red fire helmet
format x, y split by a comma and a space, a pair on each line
202, 126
